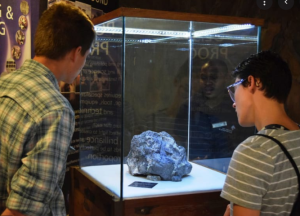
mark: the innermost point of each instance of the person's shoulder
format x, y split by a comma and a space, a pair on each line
281, 135
253, 146
288, 133
290, 138
257, 144
36, 94
14, 84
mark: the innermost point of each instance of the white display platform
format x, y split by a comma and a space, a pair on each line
200, 180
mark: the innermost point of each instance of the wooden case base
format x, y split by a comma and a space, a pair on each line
88, 199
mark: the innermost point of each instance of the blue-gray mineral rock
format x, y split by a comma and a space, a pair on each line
158, 156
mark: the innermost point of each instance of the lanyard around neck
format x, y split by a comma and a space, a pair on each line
275, 126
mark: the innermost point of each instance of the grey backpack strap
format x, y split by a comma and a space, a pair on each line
296, 207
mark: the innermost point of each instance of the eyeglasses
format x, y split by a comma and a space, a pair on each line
231, 89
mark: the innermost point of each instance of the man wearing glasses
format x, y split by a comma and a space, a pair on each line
260, 179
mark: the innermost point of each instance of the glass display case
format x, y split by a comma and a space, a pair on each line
149, 72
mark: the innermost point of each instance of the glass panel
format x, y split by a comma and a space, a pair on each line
156, 75
101, 109
173, 79
214, 129
156, 81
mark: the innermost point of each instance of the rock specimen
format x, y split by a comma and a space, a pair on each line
158, 156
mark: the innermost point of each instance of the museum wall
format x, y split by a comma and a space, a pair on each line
280, 33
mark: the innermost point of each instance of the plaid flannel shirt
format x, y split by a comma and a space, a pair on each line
36, 127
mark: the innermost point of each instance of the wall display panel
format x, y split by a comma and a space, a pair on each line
156, 119
15, 34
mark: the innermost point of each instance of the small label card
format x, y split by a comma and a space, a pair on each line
219, 124
142, 184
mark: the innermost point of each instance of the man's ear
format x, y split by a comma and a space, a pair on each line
76, 52
251, 86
